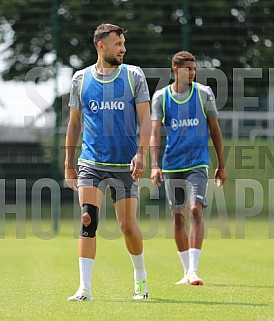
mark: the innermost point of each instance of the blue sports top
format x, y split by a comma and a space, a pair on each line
187, 132
109, 120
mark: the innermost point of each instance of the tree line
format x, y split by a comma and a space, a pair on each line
221, 34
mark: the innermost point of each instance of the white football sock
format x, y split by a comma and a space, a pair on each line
194, 256
138, 262
85, 269
184, 257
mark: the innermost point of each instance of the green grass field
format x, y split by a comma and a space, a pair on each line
37, 276
39, 270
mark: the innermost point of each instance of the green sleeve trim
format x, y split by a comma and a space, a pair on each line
81, 87
105, 164
130, 84
201, 102
183, 170
164, 107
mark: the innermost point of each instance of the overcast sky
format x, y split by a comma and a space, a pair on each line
19, 101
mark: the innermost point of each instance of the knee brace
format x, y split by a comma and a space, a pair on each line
93, 212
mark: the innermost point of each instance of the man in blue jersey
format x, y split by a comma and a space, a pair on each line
188, 112
108, 99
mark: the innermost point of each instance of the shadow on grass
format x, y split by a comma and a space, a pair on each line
242, 286
159, 300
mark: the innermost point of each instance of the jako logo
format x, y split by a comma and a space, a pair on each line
184, 123
94, 105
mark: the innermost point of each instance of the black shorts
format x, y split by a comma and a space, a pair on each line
121, 184
184, 186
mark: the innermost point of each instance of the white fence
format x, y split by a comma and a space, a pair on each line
234, 124
252, 125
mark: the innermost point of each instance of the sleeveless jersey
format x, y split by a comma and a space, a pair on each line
187, 132
109, 120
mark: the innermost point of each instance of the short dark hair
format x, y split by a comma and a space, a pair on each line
181, 57
104, 30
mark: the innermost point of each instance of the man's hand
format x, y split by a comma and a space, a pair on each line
71, 178
220, 176
138, 166
156, 176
